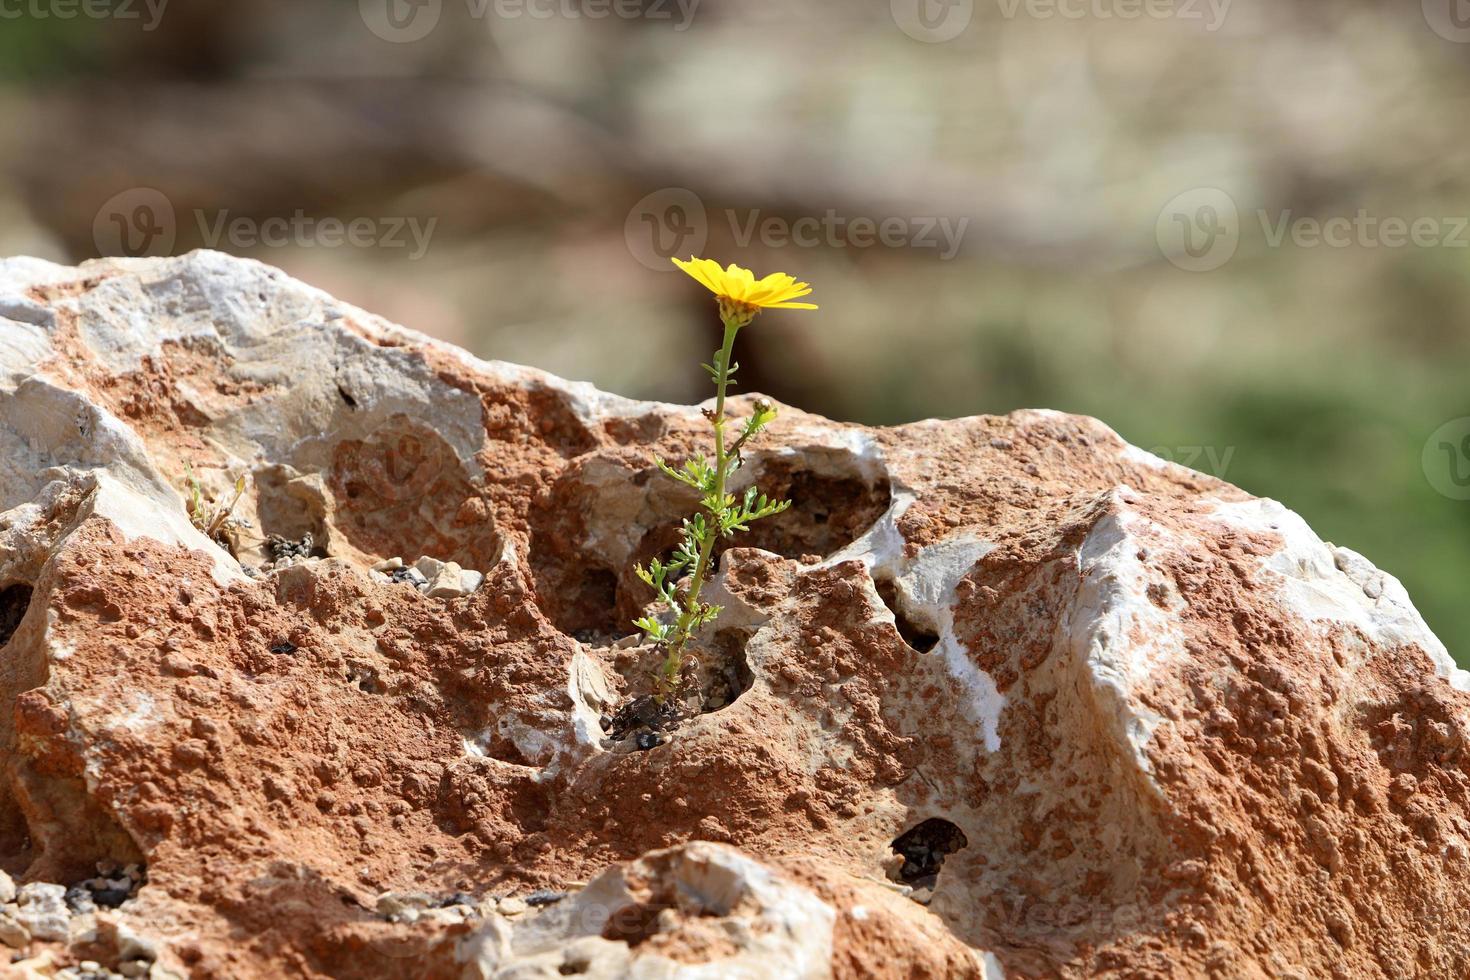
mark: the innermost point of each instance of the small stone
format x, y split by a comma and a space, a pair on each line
134, 968
458, 898
7, 889
445, 583
403, 906
12, 933
647, 740
79, 900
391, 564
470, 581
41, 908
428, 567
511, 906
111, 898
543, 897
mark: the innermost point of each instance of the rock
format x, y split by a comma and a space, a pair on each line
447, 582
12, 932
1110, 716
403, 906
41, 908
512, 906
7, 889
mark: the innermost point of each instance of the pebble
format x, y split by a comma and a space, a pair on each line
446, 583
403, 906
512, 906
12, 933
7, 889
41, 908
436, 579
458, 898
648, 740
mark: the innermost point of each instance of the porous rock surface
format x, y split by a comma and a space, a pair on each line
1152, 726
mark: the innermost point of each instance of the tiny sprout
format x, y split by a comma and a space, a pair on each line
216, 523
741, 296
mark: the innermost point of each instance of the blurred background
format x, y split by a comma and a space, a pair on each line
1234, 230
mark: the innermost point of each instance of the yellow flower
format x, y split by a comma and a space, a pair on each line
741, 294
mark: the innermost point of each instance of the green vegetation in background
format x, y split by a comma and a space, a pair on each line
43, 49
1334, 432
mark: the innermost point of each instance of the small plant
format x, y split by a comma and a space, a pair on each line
216, 523
741, 296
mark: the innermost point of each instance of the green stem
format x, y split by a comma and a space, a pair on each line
675, 659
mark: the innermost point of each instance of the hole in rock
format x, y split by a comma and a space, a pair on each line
716, 674
636, 924
585, 606
609, 511
923, 848
15, 599
402, 492
828, 512
913, 634
726, 675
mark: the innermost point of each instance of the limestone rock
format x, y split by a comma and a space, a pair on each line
997, 696
41, 909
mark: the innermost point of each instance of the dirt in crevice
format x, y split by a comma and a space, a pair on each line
715, 675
